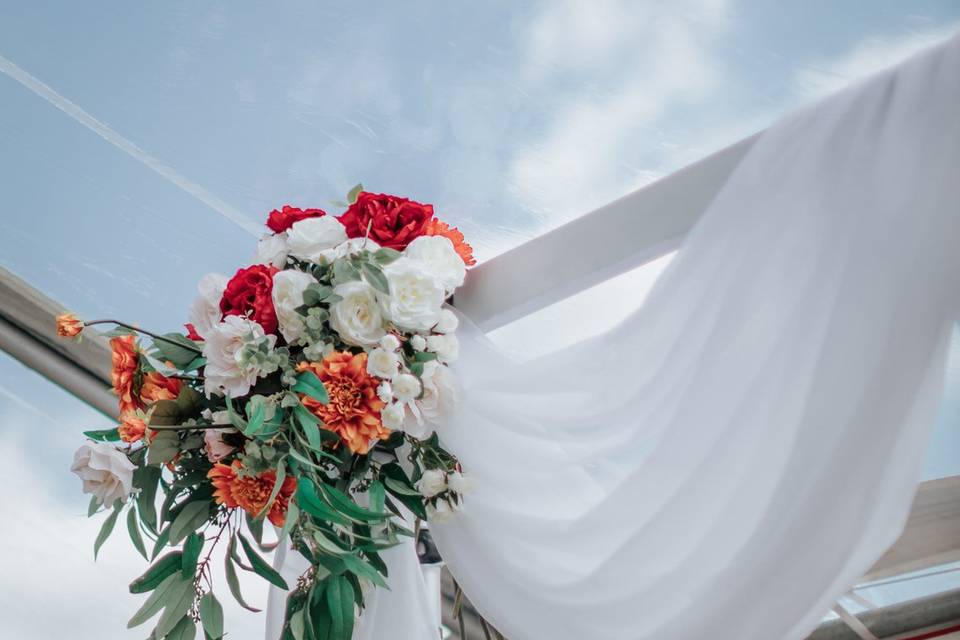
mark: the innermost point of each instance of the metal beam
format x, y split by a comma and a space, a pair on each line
615, 238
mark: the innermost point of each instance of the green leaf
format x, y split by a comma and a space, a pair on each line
186, 629
373, 275
354, 192
261, 566
134, 530
293, 515
256, 411
191, 554
211, 615
106, 529
189, 401
168, 588
146, 479
340, 603
361, 568
277, 485
94, 506
401, 488
424, 356
157, 573
345, 505
181, 353
164, 447
309, 501
103, 435
309, 424
162, 541
234, 583
175, 609
308, 383
235, 419
190, 518
327, 544
297, 624
164, 413
344, 271
385, 255
256, 528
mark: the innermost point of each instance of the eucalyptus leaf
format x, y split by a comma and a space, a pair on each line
373, 275
186, 629
157, 573
354, 192
175, 609
167, 588
308, 383
211, 615
103, 435
340, 603
106, 529
178, 349
164, 447
261, 566
191, 554
190, 518
134, 530
234, 583
146, 479
309, 501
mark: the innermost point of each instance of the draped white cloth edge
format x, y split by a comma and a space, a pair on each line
731, 458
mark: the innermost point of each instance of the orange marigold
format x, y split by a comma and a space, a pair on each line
353, 411
436, 227
232, 488
132, 428
123, 374
68, 325
157, 386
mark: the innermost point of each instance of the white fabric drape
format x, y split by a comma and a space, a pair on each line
732, 457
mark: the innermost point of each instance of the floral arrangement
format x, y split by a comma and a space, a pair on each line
304, 393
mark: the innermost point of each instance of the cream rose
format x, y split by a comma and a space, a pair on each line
349, 248
106, 472
447, 347
441, 258
205, 311
382, 363
229, 369
406, 387
392, 415
272, 249
448, 322
416, 296
440, 393
357, 317
431, 483
309, 238
288, 288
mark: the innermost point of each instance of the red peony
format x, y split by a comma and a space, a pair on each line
393, 222
280, 221
248, 294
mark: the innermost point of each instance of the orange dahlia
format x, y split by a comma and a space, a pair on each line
125, 365
68, 325
436, 227
157, 386
234, 488
131, 428
353, 411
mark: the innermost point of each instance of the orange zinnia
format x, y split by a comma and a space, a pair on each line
249, 492
438, 228
68, 325
157, 386
131, 428
125, 365
353, 411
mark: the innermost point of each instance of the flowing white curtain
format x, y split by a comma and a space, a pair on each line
732, 457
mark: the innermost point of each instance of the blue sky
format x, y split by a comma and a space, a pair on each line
140, 141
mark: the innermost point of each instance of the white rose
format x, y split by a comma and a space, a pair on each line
447, 347
441, 258
309, 238
392, 415
349, 248
288, 288
228, 368
385, 392
389, 342
459, 483
106, 472
382, 363
448, 322
418, 342
205, 311
357, 317
416, 296
440, 513
272, 249
406, 387
432, 482
440, 393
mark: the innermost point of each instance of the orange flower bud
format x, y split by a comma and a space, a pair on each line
68, 325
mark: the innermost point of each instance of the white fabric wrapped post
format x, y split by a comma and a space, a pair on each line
729, 460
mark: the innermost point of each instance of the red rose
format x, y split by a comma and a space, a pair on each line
396, 221
248, 294
280, 221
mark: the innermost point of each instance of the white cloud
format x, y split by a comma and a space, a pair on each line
639, 62
867, 57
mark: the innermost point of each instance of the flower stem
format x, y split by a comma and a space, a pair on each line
143, 331
188, 427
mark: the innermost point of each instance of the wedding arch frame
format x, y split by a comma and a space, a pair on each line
614, 239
